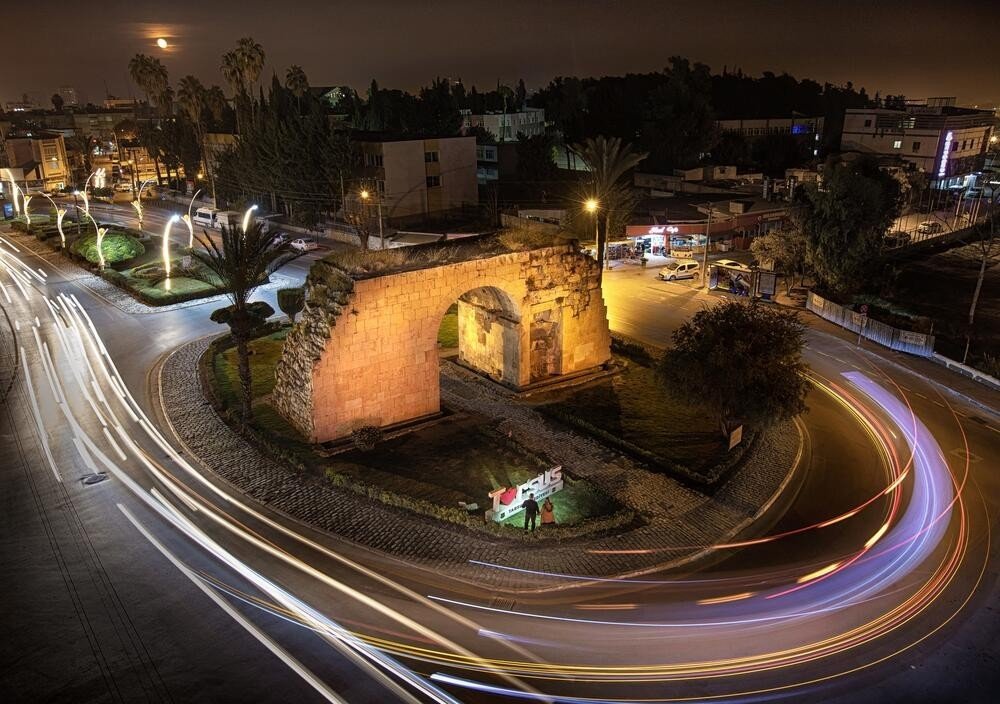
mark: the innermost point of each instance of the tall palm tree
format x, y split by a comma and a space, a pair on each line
193, 99
215, 101
610, 161
151, 76
241, 262
297, 83
251, 56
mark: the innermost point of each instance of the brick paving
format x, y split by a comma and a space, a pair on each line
677, 519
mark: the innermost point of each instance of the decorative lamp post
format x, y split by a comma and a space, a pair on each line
60, 214
246, 218
592, 205
187, 220
166, 248
27, 216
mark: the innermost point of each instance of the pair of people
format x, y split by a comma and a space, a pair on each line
531, 511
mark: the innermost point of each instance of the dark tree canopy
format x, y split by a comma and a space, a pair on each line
741, 362
845, 221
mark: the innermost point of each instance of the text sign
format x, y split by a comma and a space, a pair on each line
508, 501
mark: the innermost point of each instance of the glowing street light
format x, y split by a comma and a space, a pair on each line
187, 220
246, 218
13, 191
137, 204
86, 202
27, 217
591, 205
60, 214
166, 248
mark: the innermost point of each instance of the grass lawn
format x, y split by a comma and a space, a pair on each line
182, 288
633, 407
448, 332
460, 458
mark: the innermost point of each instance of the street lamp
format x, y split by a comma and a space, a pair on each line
60, 214
27, 217
365, 195
101, 231
187, 220
166, 248
246, 218
13, 191
592, 205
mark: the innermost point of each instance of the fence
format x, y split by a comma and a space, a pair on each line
885, 335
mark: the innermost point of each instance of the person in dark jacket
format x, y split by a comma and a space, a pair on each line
530, 512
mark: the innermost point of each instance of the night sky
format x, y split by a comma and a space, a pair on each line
912, 47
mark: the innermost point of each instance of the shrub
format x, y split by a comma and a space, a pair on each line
153, 273
365, 261
115, 277
291, 301
366, 437
117, 247
19, 226
633, 350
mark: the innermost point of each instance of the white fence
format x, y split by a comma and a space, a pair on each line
902, 340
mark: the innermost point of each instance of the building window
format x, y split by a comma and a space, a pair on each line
916, 146
868, 123
433, 181
897, 144
954, 146
431, 157
372, 159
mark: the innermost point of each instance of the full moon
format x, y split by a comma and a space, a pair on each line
162, 43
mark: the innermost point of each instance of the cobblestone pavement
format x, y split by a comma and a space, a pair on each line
676, 518
113, 294
8, 356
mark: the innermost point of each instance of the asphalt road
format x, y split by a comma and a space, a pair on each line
134, 589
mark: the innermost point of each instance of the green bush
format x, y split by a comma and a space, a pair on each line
117, 247
19, 226
114, 277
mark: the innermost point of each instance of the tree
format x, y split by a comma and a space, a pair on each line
988, 249
57, 102
151, 76
193, 99
291, 301
534, 159
845, 221
297, 83
785, 250
739, 361
678, 124
242, 261
609, 161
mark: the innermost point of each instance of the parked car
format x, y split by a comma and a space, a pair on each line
687, 269
304, 244
732, 264
281, 238
929, 227
897, 239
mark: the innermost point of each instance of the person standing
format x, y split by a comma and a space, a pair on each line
530, 512
548, 513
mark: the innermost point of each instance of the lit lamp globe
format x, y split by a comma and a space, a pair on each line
591, 205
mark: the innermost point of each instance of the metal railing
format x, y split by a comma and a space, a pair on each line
895, 339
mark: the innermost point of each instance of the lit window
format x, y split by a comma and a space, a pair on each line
898, 144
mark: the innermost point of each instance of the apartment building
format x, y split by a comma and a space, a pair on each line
947, 142
506, 126
420, 177
39, 159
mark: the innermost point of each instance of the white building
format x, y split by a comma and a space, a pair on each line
946, 142
505, 126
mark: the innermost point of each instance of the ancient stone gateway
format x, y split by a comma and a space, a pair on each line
365, 349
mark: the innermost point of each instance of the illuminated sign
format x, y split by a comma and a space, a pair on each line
508, 501
660, 229
944, 155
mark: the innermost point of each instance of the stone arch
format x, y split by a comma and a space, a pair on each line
365, 350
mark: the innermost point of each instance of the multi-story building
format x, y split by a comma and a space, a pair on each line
947, 142
69, 97
807, 128
40, 158
420, 177
506, 126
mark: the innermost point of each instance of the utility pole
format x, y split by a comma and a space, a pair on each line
704, 258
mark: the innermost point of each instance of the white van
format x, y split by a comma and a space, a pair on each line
205, 217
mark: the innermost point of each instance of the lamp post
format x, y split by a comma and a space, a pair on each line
365, 196
60, 214
704, 258
166, 248
13, 191
101, 231
187, 220
27, 216
592, 205
246, 218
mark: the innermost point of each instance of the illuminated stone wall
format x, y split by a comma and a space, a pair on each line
365, 351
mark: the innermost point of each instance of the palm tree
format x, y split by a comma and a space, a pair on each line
241, 262
251, 56
609, 161
193, 99
151, 76
241, 68
297, 83
215, 101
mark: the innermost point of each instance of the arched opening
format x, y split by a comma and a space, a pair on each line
483, 330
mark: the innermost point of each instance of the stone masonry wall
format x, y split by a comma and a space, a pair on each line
367, 354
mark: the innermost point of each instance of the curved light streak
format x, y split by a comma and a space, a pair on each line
166, 248
189, 222
246, 217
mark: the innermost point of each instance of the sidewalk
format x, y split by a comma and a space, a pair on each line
679, 522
